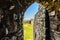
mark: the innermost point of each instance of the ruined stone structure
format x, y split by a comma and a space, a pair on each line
12, 12
39, 24
55, 25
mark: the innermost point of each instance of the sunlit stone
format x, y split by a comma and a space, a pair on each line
59, 9
52, 13
53, 0
12, 7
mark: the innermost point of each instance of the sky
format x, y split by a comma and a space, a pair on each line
31, 11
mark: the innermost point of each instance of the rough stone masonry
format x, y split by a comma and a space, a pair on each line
39, 25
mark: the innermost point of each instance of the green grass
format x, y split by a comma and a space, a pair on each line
28, 32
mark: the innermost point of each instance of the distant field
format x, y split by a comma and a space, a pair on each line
28, 31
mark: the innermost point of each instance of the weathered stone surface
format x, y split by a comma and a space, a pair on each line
39, 24
23, 5
55, 26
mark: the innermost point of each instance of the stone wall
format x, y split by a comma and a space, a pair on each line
39, 24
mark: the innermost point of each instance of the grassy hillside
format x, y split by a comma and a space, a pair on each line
28, 31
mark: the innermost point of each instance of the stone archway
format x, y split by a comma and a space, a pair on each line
20, 8
49, 8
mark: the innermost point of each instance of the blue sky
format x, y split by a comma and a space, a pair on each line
31, 11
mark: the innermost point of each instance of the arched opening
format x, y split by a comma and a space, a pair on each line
38, 33
28, 21
18, 8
